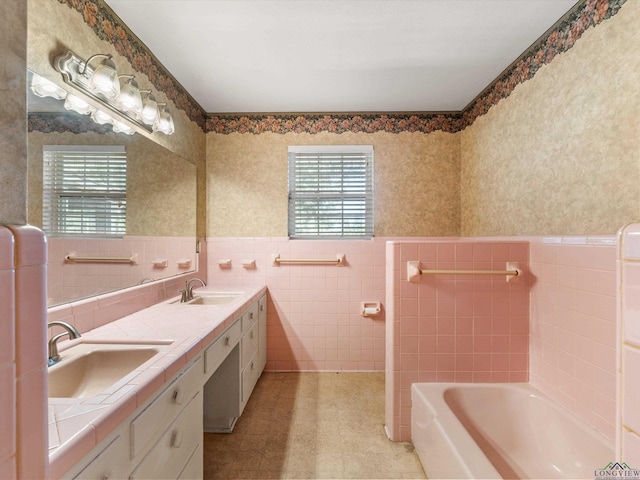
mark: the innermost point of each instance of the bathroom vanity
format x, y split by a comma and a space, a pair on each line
210, 355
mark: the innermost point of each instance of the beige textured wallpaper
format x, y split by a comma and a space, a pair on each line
561, 155
13, 145
416, 190
161, 186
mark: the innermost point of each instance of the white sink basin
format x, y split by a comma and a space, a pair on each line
88, 369
212, 298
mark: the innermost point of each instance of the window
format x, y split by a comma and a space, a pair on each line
331, 191
84, 190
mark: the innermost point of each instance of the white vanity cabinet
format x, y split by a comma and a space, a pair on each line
250, 372
234, 365
163, 437
168, 432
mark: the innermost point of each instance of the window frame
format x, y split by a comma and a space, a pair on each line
332, 196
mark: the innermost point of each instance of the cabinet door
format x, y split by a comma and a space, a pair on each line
262, 332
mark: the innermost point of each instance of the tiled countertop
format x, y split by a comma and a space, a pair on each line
78, 425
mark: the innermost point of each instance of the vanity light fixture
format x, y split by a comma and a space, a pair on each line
108, 101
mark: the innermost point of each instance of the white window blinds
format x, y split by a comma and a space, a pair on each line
331, 191
84, 190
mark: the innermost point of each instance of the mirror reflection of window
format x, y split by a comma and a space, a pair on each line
85, 190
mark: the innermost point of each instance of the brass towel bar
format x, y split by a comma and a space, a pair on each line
414, 272
72, 257
339, 261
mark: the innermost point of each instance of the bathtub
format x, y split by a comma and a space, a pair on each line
467, 430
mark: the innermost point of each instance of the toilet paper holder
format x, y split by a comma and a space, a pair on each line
369, 309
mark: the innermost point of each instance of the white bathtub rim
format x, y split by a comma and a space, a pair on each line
457, 439
433, 459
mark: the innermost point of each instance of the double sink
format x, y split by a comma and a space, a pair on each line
90, 368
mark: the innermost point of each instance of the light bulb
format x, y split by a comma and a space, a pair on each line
129, 99
149, 110
164, 123
105, 78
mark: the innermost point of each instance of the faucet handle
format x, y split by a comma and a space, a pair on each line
183, 295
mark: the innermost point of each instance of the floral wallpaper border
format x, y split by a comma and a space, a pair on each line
335, 123
567, 31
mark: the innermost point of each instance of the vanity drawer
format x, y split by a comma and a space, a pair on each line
108, 463
250, 317
249, 345
154, 419
171, 454
193, 468
218, 351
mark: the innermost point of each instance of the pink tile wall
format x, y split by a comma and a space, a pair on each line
453, 328
7, 357
71, 281
314, 320
573, 326
99, 310
23, 369
628, 438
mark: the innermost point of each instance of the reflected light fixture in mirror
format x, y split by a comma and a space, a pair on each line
46, 88
98, 92
78, 105
102, 118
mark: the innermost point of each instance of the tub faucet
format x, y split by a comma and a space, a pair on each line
187, 293
54, 356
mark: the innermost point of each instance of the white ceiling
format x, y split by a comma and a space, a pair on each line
337, 55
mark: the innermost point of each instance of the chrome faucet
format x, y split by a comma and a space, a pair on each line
54, 356
187, 293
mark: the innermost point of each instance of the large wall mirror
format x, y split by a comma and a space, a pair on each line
160, 237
